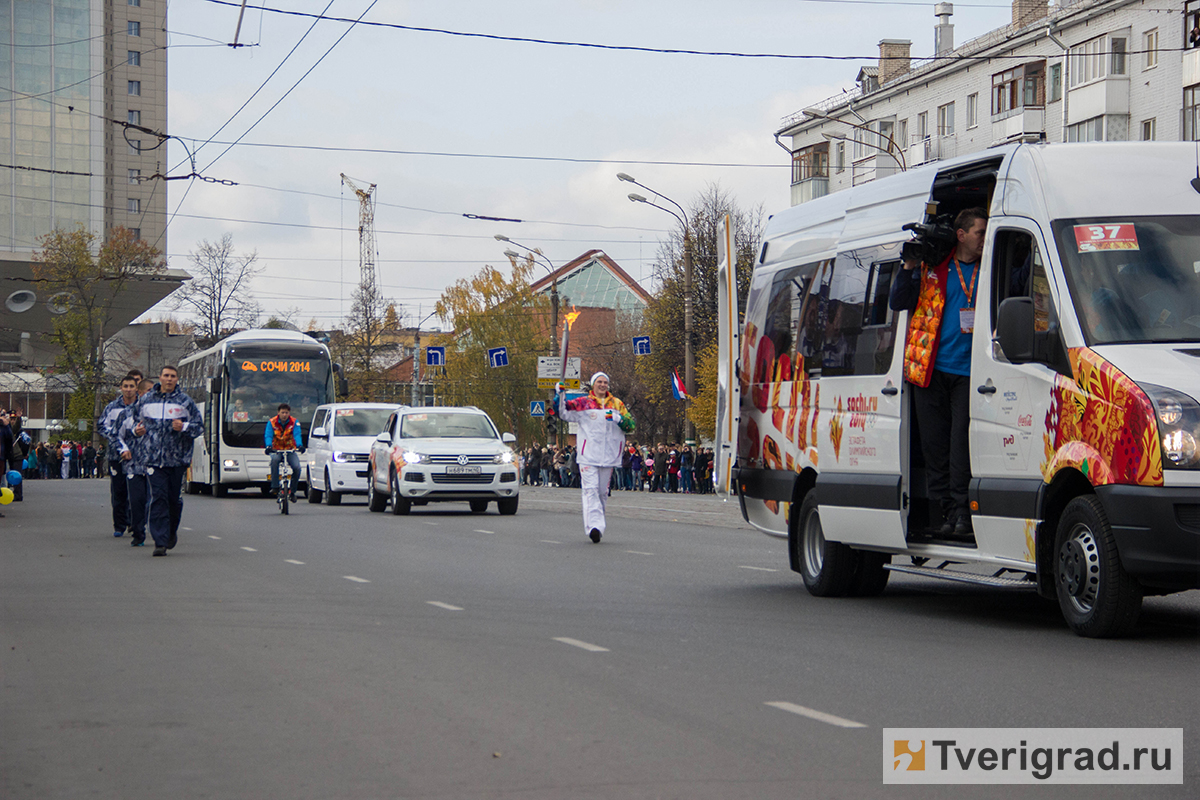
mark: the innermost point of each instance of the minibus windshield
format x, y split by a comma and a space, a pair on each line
1133, 279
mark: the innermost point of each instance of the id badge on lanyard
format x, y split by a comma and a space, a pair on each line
966, 316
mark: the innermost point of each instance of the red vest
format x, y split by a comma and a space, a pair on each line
925, 324
283, 438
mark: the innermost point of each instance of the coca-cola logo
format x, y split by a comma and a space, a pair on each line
1025, 421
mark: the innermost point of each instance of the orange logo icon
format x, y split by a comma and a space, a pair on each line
248, 366
908, 755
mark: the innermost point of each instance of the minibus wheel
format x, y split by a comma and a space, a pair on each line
870, 576
1097, 596
827, 567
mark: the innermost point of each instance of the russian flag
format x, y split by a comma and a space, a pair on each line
677, 387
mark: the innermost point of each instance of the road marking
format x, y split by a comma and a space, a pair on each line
549, 541
356, 580
427, 522
249, 549
446, 606
186, 529
214, 537
622, 505
760, 569
591, 648
478, 530
820, 716
294, 561
639, 553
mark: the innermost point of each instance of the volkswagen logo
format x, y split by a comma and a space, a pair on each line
463, 460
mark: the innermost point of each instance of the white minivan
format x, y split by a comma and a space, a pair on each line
339, 442
1084, 430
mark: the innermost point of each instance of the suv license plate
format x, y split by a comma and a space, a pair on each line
457, 470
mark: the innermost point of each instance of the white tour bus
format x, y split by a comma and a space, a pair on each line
238, 384
1085, 366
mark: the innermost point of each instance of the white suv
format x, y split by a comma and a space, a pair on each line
338, 444
445, 453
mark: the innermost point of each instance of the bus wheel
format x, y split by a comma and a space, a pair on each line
1098, 598
870, 578
220, 490
827, 567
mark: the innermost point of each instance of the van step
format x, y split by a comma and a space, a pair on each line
965, 577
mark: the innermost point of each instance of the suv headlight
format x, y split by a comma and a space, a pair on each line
415, 458
503, 458
1178, 418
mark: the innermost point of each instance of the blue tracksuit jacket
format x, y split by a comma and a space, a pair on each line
109, 420
162, 445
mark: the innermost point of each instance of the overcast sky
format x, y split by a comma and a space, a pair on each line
391, 89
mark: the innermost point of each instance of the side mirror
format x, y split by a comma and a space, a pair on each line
384, 437
508, 438
1014, 329
319, 433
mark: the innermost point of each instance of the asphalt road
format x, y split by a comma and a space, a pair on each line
336, 653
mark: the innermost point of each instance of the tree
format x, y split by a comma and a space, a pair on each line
664, 319
88, 282
218, 294
490, 310
364, 345
703, 409
391, 320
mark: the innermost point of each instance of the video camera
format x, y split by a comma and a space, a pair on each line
932, 239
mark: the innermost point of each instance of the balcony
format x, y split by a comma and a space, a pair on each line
931, 148
809, 189
877, 166
1021, 123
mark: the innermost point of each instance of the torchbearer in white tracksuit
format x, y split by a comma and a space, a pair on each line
603, 422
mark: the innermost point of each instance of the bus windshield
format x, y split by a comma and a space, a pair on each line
1133, 279
260, 379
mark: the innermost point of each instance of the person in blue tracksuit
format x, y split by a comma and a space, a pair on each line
109, 422
133, 462
167, 422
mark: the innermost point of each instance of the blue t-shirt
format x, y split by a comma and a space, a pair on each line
954, 346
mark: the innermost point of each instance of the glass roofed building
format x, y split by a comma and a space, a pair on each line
594, 280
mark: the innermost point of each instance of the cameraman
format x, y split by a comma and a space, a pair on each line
937, 362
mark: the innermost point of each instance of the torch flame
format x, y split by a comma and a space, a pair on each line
571, 317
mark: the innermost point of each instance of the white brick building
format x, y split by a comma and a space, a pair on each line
1080, 71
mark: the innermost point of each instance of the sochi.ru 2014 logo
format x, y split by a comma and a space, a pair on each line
909, 755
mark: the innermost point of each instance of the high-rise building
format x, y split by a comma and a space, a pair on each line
73, 73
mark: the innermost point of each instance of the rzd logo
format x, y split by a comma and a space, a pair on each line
909, 755
248, 366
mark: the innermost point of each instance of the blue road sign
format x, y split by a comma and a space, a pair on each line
498, 357
435, 356
537, 408
641, 345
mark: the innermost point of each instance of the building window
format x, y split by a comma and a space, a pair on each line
1055, 83
135, 147
1191, 113
1150, 47
859, 148
1191, 24
1019, 87
840, 156
135, 117
137, 233
972, 110
133, 58
133, 205
135, 2
887, 135
1118, 45
1090, 130
902, 134
135, 28
945, 120
1087, 61
135, 88
810, 162
134, 174
923, 126
1148, 130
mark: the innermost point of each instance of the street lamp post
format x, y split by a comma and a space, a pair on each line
689, 360
499, 237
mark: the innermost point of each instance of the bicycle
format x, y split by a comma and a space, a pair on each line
286, 476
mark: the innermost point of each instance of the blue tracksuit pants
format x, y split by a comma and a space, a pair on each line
138, 498
120, 496
165, 485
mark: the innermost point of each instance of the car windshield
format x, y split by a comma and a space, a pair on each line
1133, 279
360, 421
446, 426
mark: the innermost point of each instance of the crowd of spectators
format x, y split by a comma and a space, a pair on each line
663, 467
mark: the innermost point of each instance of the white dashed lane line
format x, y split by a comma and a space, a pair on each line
549, 541
428, 522
355, 579
759, 569
214, 537
591, 648
479, 530
812, 713
446, 606
639, 553
294, 561
184, 529
249, 549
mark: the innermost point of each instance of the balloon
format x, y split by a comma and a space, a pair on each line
14, 478
6, 496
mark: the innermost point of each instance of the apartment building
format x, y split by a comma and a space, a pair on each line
72, 71
1089, 70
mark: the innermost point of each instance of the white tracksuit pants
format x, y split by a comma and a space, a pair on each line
594, 481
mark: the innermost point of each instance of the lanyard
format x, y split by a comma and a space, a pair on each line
961, 282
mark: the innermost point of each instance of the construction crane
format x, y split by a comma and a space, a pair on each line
366, 237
